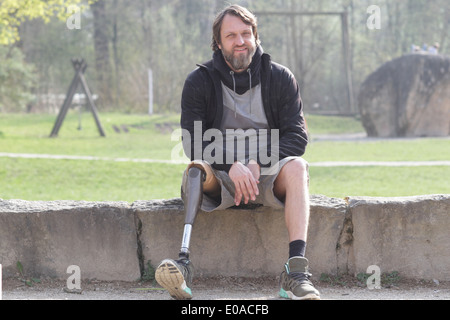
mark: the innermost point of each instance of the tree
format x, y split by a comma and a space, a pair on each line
15, 12
124, 38
102, 54
16, 80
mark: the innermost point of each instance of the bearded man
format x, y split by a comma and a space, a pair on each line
239, 90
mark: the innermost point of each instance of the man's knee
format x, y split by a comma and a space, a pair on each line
293, 175
296, 168
210, 184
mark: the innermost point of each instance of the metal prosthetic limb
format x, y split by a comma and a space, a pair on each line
193, 199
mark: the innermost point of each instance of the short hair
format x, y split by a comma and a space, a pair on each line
243, 13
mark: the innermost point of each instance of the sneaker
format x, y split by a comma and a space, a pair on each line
176, 277
295, 283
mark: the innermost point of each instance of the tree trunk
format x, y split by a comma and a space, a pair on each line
102, 55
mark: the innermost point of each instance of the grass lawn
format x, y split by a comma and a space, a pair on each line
29, 133
43, 179
379, 181
150, 137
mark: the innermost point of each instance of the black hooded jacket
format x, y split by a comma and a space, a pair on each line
202, 101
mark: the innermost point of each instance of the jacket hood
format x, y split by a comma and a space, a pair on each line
238, 82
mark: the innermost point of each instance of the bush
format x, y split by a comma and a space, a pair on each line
17, 79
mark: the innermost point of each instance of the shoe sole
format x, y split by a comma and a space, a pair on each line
289, 295
171, 278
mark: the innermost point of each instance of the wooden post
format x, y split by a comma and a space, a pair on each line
91, 104
347, 60
67, 101
150, 92
80, 67
345, 43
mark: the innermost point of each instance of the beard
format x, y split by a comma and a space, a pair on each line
241, 60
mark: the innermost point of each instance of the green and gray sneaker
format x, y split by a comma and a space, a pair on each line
295, 283
176, 277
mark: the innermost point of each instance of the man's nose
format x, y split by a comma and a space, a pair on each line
239, 40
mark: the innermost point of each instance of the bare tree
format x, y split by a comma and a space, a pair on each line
102, 55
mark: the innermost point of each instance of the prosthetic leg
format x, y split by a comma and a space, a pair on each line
193, 200
176, 275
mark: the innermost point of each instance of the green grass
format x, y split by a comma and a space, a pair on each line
45, 179
333, 125
42, 179
424, 149
25, 133
379, 181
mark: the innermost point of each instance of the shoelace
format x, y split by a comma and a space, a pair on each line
301, 277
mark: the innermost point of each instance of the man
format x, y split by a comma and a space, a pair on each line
241, 93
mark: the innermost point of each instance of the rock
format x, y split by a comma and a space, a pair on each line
407, 97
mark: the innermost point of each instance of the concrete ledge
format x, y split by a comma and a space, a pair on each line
409, 235
239, 242
47, 237
114, 240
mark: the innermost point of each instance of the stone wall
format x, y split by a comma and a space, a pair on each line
114, 240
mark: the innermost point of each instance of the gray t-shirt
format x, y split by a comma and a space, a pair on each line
242, 122
244, 111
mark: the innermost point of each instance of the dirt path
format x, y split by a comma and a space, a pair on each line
220, 289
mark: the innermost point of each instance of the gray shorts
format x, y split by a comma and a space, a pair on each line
266, 195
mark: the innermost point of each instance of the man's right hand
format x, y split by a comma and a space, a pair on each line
245, 183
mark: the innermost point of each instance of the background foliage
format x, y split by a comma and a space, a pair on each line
122, 39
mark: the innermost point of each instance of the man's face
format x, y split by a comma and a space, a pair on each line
237, 43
